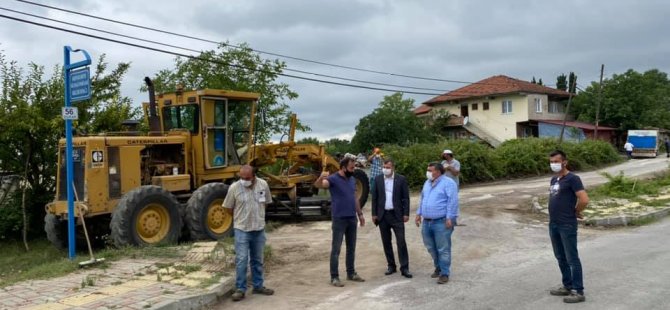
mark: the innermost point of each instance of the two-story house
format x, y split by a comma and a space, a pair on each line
500, 108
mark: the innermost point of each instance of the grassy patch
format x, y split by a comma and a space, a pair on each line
273, 225
188, 268
211, 280
45, 261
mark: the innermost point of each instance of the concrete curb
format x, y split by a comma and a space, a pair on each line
209, 297
623, 220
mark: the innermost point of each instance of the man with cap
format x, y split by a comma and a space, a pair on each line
452, 167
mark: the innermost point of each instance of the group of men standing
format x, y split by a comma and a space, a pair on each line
437, 215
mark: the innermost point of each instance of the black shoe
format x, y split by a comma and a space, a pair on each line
574, 297
436, 273
238, 295
406, 274
560, 291
390, 271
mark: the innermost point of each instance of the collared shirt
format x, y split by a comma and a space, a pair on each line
628, 146
248, 204
376, 167
342, 195
454, 164
388, 189
439, 199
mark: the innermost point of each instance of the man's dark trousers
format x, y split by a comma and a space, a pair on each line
387, 223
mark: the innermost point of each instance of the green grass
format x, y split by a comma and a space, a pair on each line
44, 261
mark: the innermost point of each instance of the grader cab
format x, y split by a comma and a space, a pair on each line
153, 188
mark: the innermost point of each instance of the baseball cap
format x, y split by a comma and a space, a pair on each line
447, 152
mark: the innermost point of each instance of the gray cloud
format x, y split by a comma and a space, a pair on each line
458, 40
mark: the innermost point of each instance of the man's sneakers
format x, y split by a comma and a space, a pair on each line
238, 295
336, 282
560, 291
355, 277
442, 279
574, 297
571, 296
436, 273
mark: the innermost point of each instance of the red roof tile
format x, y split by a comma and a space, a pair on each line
422, 109
575, 124
496, 85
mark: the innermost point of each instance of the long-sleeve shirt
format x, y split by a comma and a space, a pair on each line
439, 199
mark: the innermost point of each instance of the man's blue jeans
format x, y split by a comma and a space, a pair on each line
437, 239
564, 241
249, 248
343, 228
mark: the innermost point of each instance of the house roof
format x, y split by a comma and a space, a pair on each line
496, 85
422, 109
575, 124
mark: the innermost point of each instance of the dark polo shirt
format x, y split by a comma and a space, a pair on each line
343, 196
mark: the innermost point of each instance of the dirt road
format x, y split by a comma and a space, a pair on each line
500, 234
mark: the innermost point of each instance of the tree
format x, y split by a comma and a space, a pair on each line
631, 100
236, 69
309, 140
393, 122
30, 127
572, 83
562, 82
539, 82
533, 80
335, 145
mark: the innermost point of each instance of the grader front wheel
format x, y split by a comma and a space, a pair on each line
362, 186
148, 215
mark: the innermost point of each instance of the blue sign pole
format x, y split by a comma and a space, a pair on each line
67, 67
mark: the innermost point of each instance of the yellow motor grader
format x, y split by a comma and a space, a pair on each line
148, 189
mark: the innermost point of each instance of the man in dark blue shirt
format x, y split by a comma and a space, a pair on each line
344, 208
567, 200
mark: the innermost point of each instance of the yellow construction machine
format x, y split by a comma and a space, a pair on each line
154, 188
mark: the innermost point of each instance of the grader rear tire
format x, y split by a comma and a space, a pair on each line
56, 231
362, 186
205, 216
145, 216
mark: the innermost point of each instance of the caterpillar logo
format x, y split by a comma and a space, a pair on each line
146, 141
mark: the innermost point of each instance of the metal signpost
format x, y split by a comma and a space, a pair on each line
77, 87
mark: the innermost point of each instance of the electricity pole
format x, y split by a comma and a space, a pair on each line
600, 98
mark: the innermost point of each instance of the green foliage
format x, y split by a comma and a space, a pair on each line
334, 146
631, 100
572, 83
562, 82
619, 186
30, 126
309, 140
514, 158
239, 69
393, 122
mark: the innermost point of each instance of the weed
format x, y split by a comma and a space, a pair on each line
165, 292
115, 283
188, 268
159, 278
212, 280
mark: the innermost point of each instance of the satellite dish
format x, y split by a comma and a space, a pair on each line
465, 120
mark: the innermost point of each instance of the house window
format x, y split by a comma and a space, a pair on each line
485, 105
538, 105
474, 106
507, 107
553, 107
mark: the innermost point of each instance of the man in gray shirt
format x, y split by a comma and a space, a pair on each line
452, 167
247, 199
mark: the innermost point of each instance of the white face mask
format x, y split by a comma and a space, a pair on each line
245, 183
387, 172
429, 175
556, 167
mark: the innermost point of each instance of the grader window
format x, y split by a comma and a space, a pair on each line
181, 117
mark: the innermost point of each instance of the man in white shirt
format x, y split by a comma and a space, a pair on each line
629, 149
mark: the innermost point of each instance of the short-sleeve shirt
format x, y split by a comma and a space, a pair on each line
457, 165
248, 204
563, 198
342, 195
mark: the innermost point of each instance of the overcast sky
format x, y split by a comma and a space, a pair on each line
463, 40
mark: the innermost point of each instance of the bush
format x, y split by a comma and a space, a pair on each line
514, 158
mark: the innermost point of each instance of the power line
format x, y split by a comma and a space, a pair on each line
197, 51
209, 60
239, 47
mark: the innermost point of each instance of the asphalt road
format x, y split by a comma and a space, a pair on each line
502, 259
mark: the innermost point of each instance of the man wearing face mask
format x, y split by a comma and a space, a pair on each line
344, 208
438, 211
390, 210
247, 198
567, 200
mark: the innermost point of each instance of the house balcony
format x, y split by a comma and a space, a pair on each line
455, 121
